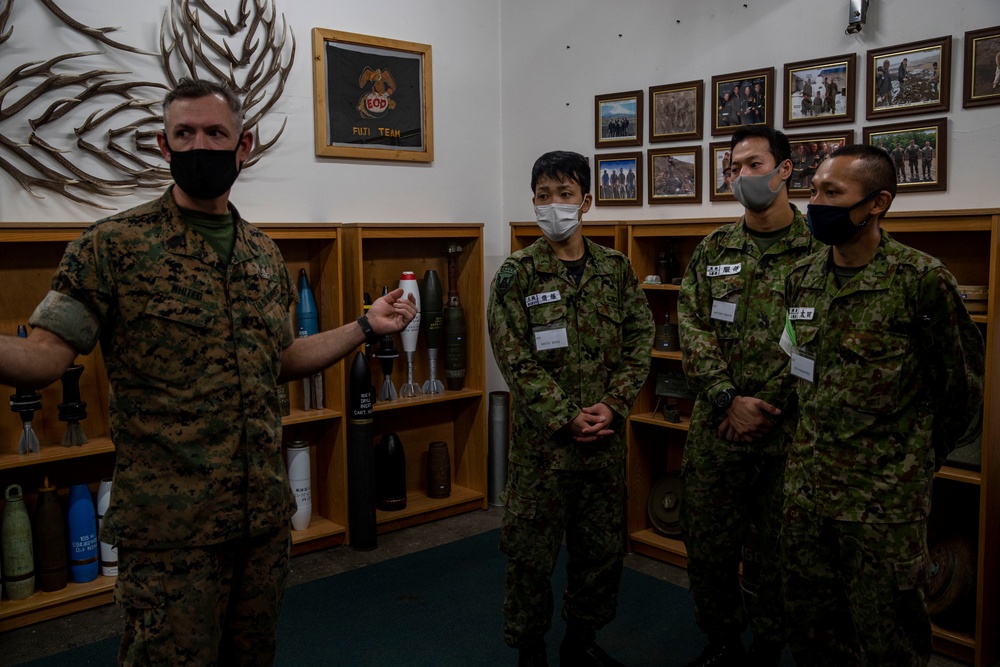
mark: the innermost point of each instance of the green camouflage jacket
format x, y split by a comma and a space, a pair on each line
730, 315
192, 350
609, 336
898, 370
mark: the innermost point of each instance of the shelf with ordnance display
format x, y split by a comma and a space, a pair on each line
376, 256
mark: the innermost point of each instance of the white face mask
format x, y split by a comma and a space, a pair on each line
558, 221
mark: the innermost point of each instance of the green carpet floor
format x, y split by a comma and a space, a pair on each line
442, 606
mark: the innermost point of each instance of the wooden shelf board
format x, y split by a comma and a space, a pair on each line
303, 416
427, 399
656, 419
56, 452
318, 528
675, 356
44, 606
418, 502
655, 545
668, 287
959, 475
954, 644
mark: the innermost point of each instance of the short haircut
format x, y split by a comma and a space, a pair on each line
876, 171
562, 164
780, 148
192, 89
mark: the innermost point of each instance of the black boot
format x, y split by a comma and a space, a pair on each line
765, 653
579, 649
532, 654
722, 654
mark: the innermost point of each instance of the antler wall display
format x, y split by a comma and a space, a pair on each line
76, 125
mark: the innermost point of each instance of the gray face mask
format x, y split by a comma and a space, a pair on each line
755, 192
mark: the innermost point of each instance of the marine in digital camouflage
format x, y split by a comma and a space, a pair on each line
166, 625
557, 485
192, 350
729, 486
898, 378
899, 367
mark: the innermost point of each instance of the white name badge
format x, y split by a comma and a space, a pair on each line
550, 339
802, 366
540, 298
723, 310
714, 271
801, 313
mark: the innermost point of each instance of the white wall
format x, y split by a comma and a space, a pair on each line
558, 55
513, 79
291, 183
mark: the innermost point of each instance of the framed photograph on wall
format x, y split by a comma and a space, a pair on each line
909, 78
618, 119
808, 152
918, 149
675, 111
820, 91
981, 76
618, 179
674, 175
372, 97
720, 174
742, 98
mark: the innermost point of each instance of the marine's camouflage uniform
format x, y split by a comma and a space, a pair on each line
729, 485
556, 485
192, 349
898, 377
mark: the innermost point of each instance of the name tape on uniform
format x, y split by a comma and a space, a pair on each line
543, 297
801, 313
716, 270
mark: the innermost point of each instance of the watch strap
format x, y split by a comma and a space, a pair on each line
370, 336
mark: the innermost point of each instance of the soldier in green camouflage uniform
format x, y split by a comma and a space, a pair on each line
572, 334
730, 313
191, 306
888, 366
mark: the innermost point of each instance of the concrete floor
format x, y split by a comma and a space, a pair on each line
50, 637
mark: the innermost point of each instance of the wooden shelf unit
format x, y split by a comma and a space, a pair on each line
29, 256
375, 255
969, 244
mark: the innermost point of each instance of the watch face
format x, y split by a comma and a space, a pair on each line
723, 399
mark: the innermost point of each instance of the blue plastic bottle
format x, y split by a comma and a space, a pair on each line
82, 534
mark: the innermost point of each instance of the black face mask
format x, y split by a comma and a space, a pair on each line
203, 173
832, 224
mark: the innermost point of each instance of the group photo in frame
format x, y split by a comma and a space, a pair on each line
372, 97
919, 150
618, 119
675, 111
820, 91
720, 173
808, 153
909, 78
619, 179
674, 175
981, 85
742, 98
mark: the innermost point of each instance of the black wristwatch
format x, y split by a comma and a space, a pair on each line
724, 398
370, 336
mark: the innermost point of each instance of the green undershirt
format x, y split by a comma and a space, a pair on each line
217, 230
765, 240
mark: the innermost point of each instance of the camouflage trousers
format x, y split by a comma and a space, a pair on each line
203, 606
855, 586
724, 493
541, 506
